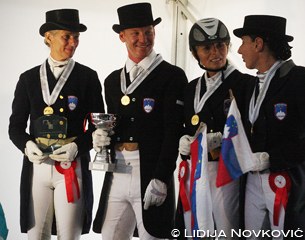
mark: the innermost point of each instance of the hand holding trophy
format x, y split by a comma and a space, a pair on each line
104, 123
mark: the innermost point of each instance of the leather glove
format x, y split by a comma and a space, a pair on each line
262, 161
100, 139
214, 140
185, 145
34, 154
66, 153
155, 193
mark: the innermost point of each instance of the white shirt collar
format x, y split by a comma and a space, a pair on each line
145, 63
210, 81
54, 63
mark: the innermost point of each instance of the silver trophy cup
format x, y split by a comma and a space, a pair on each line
102, 160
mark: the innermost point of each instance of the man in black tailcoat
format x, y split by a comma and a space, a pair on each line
147, 94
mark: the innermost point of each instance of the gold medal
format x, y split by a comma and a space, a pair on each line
125, 100
48, 110
195, 119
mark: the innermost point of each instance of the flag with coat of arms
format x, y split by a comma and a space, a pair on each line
236, 156
196, 195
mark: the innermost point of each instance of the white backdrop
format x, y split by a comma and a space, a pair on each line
22, 48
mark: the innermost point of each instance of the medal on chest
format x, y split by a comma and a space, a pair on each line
48, 110
48, 98
195, 120
125, 100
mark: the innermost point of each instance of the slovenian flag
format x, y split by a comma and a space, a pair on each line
200, 195
236, 157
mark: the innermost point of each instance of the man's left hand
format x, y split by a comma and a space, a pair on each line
155, 193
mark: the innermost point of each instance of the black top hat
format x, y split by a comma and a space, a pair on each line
135, 15
265, 26
62, 19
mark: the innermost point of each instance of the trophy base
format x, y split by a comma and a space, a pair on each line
107, 167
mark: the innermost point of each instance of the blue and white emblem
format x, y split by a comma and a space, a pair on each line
148, 104
280, 110
72, 102
226, 106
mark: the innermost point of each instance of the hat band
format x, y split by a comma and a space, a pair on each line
117, 28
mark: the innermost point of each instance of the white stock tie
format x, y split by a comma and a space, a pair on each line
57, 70
57, 67
134, 72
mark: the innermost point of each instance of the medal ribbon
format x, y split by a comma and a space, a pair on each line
47, 98
199, 102
70, 178
182, 177
140, 78
254, 108
281, 194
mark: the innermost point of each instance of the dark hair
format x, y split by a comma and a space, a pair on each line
279, 47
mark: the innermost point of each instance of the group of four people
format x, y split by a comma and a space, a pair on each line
154, 104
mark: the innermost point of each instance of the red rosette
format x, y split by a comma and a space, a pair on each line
68, 170
280, 184
182, 177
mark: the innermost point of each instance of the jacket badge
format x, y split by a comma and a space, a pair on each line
226, 106
280, 110
72, 102
148, 104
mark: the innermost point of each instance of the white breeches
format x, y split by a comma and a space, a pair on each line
259, 204
225, 202
124, 208
49, 196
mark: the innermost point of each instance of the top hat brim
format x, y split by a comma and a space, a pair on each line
239, 32
48, 26
118, 28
